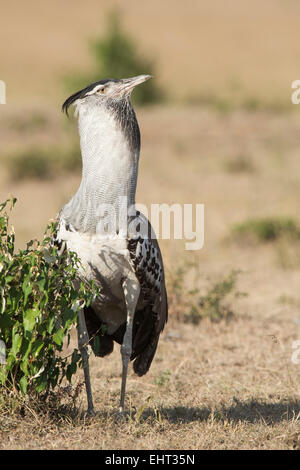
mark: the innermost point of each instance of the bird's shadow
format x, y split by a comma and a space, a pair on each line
251, 411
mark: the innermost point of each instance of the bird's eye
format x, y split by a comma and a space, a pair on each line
101, 90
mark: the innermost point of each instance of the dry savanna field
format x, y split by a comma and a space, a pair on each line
226, 372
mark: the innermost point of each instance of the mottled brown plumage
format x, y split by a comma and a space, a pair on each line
151, 313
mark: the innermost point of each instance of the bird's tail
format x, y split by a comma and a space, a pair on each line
143, 362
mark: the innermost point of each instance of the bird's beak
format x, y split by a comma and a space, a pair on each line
128, 84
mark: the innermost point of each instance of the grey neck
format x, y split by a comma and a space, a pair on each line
110, 155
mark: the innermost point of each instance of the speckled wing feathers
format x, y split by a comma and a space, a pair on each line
148, 265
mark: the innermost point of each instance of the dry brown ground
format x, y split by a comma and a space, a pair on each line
226, 385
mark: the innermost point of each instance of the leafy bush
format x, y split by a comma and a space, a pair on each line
188, 304
29, 122
267, 229
240, 164
38, 306
177, 295
115, 56
30, 164
211, 305
163, 379
43, 163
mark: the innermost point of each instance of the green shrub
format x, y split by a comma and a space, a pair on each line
29, 122
240, 164
38, 306
163, 379
267, 229
43, 163
211, 305
30, 164
116, 56
188, 304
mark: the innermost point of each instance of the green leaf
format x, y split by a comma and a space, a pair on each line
41, 382
96, 345
50, 323
71, 370
24, 365
27, 288
15, 297
23, 384
58, 336
3, 374
8, 279
16, 343
36, 347
69, 316
41, 283
5, 321
29, 319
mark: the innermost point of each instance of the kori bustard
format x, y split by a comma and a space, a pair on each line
114, 241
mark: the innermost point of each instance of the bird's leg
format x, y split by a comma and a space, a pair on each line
83, 339
131, 290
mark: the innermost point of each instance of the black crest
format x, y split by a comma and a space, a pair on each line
121, 108
81, 93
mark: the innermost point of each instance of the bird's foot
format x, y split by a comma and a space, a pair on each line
119, 415
89, 413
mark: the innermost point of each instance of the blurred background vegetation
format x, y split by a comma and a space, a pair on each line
205, 52
117, 55
221, 90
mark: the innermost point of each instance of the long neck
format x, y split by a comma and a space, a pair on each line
110, 152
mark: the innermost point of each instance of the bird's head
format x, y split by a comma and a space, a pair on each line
108, 92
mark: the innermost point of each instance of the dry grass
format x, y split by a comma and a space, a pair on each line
229, 387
